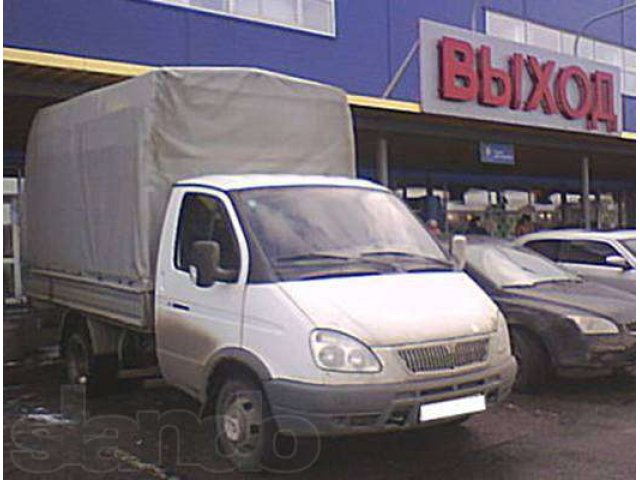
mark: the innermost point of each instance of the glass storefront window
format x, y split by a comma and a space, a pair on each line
567, 41
543, 37
609, 54
629, 85
629, 60
531, 33
284, 11
317, 16
505, 27
247, 7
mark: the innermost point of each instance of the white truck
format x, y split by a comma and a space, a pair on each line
209, 220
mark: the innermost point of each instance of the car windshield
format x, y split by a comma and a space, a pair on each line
365, 229
630, 244
507, 266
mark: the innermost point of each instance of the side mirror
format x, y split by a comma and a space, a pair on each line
617, 261
206, 263
459, 251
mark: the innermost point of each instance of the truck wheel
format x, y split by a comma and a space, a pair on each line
83, 368
533, 361
244, 432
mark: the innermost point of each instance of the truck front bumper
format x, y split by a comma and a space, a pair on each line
309, 409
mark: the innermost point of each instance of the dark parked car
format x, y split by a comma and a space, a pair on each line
559, 323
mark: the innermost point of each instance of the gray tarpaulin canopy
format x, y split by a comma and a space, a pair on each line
100, 166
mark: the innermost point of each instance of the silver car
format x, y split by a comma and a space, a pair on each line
608, 257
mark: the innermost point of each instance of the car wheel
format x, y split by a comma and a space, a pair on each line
532, 359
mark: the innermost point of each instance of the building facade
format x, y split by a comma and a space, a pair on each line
55, 49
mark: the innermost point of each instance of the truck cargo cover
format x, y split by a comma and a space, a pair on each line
100, 166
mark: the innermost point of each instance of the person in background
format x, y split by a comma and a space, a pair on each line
524, 225
475, 228
433, 228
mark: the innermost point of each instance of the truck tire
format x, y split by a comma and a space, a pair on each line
97, 374
244, 433
532, 359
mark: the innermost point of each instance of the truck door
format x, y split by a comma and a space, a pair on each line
191, 321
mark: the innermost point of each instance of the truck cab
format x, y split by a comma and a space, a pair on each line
324, 298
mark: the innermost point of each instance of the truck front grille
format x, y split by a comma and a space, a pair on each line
445, 356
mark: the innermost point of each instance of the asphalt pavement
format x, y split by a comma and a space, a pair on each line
578, 429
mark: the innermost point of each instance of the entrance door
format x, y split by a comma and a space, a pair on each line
193, 322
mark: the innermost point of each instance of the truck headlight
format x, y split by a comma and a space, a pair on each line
594, 325
339, 352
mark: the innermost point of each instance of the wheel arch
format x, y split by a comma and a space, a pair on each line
536, 336
227, 362
104, 337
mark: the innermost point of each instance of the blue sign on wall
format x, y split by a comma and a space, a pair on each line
497, 153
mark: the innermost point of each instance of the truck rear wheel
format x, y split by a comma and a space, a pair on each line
98, 375
244, 432
533, 361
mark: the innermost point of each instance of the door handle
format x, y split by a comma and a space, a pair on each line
180, 306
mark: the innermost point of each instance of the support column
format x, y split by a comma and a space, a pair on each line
445, 208
598, 221
619, 199
382, 161
586, 210
630, 208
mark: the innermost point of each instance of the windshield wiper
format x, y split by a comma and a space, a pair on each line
535, 283
557, 280
400, 253
313, 256
317, 256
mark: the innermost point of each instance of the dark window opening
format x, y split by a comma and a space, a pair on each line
586, 252
203, 217
548, 248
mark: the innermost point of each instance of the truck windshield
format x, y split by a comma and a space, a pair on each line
353, 230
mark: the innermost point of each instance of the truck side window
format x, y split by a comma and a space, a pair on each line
203, 217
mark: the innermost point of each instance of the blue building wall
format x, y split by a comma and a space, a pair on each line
373, 36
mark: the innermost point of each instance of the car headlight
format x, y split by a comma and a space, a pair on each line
594, 325
338, 352
502, 334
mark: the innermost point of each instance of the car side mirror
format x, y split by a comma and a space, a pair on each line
617, 261
206, 263
459, 251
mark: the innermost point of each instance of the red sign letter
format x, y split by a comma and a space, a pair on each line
490, 77
515, 72
540, 93
584, 91
458, 80
602, 109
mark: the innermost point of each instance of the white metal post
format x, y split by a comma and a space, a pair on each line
382, 161
586, 208
15, 230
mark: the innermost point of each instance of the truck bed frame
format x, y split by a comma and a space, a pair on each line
124, 305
